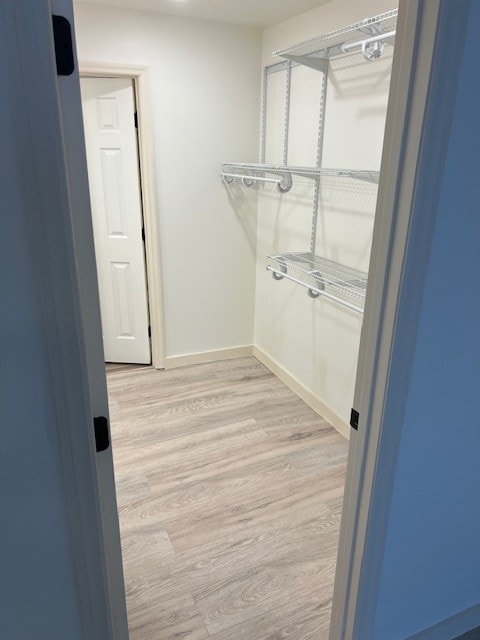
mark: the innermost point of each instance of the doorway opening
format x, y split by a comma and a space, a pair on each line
230, 472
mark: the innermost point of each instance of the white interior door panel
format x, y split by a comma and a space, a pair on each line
112, 158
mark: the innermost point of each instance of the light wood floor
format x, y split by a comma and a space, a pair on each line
229, 490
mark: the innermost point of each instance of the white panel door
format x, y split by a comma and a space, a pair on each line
112, 159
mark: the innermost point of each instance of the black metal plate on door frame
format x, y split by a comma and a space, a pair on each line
62, 35
354, 417
102, 438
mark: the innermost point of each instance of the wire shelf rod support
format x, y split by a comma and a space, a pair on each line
283, 184
319, 292
372, 47
360, 43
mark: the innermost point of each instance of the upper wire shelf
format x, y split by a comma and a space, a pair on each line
251, 173
368, 36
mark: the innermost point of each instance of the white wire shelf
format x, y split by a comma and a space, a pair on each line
368, 36
250, 173
322, 277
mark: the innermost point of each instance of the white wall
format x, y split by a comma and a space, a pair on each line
317, 341
205, 93
431, 561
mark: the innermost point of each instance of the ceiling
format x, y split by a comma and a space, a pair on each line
259, 13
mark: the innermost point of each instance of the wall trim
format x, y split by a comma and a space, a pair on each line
412, 166
173, 362
302, 392
140, 78
461, 626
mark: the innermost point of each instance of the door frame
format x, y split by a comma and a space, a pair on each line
52, 141
395, 289
140, 78
421, 103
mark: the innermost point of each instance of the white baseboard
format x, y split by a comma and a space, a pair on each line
172, 362
458, 626
302, 392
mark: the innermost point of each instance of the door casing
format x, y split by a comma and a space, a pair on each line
140, 78
423, 93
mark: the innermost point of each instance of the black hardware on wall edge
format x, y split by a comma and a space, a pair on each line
102, 440
62, 36
354, 416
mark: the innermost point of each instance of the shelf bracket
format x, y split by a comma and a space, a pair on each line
320, 63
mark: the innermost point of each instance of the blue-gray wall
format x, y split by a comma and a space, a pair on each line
431, 565
38, 597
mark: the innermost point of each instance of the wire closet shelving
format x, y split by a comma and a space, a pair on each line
368, 36
319, 275
250, 174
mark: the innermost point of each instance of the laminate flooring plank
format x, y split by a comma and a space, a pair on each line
260, 507
230, 494
152, 402
146, 546
153, 619
236, 486
131, 486
235, 399
267, 587
235, 453
226, 563
155, 427
177, 462
298, 620
184, 383
274, 412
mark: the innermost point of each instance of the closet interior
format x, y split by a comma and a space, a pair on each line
230, 462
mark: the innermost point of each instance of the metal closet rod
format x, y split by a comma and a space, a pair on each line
320, 292
283, 183
361, 43
310, 172
247, 177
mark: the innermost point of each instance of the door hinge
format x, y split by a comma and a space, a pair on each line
143, 234
354, 417
135, 119
62, 38
102, 438
149, 331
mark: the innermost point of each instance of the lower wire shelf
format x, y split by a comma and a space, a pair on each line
322, 277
